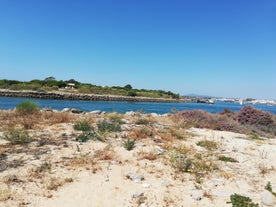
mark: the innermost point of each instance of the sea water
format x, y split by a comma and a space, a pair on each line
122, 107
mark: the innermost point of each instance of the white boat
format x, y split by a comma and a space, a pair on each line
241, 101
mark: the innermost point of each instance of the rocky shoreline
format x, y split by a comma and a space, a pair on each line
85, 97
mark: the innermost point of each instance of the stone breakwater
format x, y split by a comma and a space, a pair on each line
78, 96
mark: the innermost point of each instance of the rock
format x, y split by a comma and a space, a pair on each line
135, 177
47, 109
65, 110
197, 195
154, 114
124, 135
130, 113
98, 112
160, 151
145, 185
267, 198
136, 195
73, 110
76, 111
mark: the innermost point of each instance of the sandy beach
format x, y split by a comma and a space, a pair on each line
56, 170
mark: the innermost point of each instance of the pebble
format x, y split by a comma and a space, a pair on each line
136, 195
197, 195
145, 185
135, 177
95, 112
267, 198
160, 151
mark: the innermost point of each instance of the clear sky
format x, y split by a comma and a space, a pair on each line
213, 47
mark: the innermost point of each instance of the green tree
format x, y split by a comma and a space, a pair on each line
128, 87
51, 78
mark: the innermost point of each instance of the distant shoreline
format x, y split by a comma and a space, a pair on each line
84, 97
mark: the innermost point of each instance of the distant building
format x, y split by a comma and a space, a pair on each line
70, 86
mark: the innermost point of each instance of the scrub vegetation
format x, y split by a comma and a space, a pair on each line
51, 84
155, 146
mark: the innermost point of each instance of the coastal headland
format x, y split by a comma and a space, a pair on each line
81, 96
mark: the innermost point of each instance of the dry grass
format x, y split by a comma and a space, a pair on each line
142, 133
107, 153
54, 183
50, 118
89, 161
83, 161
151, 155
209, 145
5, 193
264, 169
31, 121
187, 159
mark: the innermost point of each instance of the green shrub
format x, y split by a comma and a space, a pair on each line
116, 118
82, 126
132, 93
108, 126
268, 187
241, 201
254, 135
180, 162
17, 136
129, 144
210, 145
227, 159
27, 107
142, 122
85, 136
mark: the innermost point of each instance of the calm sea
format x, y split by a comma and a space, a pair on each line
122, 107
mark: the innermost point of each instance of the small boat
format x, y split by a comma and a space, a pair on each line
211, 101
241, 101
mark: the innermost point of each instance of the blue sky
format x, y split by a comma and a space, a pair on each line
217, 47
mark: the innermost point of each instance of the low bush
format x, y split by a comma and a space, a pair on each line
82, 126
108, 126
241, 201
17, 136
246, 120
252, 116
85, 136
27, 107
210, 145
129, 144
116, 118
268, 187
180, 162
142, 122
227, 159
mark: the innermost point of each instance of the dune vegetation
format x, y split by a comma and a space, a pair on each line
186, 158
